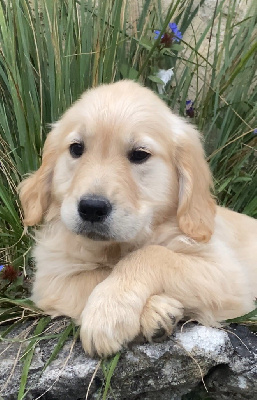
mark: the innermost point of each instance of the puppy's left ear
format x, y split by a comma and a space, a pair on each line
196, 206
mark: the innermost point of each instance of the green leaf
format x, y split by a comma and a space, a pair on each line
28, 355
108, 375
244, 318
243, 179
64, 336
128, 72
25, 303
223, 185
177, 47
146, 43
155, 79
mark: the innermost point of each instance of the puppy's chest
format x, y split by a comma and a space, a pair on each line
111, 255
107, 256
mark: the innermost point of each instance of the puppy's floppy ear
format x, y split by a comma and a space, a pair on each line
196, 206
35, 191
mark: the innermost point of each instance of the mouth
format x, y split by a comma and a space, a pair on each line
97, 236
96, 232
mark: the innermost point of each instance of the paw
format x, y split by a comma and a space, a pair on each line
109, 322
160, 317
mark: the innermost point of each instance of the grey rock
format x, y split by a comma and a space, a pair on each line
225, 360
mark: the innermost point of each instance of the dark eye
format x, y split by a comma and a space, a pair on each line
138, 156
76, 149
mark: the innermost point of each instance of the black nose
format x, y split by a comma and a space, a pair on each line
94, 209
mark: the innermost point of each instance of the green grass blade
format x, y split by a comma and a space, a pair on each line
108, 375
28, 355
64, 336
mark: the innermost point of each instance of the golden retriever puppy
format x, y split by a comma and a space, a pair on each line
132, 240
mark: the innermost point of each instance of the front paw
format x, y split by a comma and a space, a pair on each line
160, 317
109, 322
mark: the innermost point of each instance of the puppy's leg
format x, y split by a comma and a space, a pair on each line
67, 294
206, 289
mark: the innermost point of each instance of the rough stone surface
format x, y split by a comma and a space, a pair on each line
226, 359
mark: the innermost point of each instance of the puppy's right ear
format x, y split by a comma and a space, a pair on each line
35, 191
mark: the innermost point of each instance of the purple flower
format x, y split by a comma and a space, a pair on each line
1, 267
190, 111
168, 37
255, 131
157, 34
174, 28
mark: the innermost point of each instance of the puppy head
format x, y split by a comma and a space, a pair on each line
117, 164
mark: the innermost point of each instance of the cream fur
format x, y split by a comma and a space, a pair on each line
172, 252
